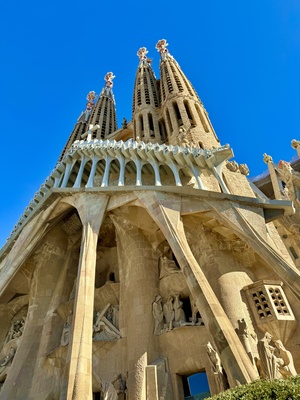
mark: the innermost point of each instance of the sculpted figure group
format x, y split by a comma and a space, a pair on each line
106, 326
16, 330
168, 315
275, 362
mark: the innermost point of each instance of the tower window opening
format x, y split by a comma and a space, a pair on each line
169, 123
141, 123
151, 125
177, 79
162, 129
177, 113
139, 97
147, 97
168, 79
189, 113
203, 122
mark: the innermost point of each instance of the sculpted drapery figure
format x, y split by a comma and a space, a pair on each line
216, 368
179, 315
286, 368
169, 313
66, 330
268, 364
166, 265
245, 338
157, 312
5, 361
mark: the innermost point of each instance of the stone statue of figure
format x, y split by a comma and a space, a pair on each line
103, 332
108, 391
120, 384
216, 368
16, 329
268, 364
166, 266
179, 315
8, 358
287, 368
66, 330
244, 336
157, 312
169, 314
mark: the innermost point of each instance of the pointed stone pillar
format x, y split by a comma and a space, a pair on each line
91, 209
165, 210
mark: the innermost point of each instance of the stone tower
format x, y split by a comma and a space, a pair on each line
147, 257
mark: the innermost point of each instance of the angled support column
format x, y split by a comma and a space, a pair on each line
91, 209
165, 211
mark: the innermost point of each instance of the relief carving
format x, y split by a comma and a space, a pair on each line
106, 324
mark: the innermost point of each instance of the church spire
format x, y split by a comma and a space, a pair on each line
81, 125
104, 113
146, 101
186, 118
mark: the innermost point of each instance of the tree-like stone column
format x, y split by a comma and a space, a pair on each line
91, 209
165, 210
139, 277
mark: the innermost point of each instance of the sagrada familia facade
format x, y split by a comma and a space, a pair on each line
147, 257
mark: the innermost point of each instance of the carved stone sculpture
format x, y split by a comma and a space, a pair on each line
16, 330
295, 143
106, 333
287, 368
245, 338
233, 166
268, 364
216, 368
244, 170
157, 312
108, 391
179, 315
169, 314
7, 359
106, 324
267, 158
66, 330
167, 267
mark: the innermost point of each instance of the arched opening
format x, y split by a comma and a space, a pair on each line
162, 129
186, 176
86, 173
189, 113
202, 119
114, 172
177, 113
141, 126
195, 386
148, 175
169, 123
99, 173
73, 175
151, 125
130, 174
166, 176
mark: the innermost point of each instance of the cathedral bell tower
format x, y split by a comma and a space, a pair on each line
146, 102
186, 119
104, 113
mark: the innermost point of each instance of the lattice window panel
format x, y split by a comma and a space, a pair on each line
268, 301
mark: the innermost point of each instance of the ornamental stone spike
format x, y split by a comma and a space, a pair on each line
142, 53
267, 158
108, 78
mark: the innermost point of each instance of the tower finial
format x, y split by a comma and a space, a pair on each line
108, 78
161, 47
91, 96
142, 53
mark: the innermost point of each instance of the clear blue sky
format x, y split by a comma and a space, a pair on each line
243, 58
